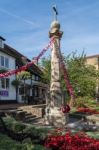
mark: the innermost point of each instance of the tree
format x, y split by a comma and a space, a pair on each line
46, 64
81, 76
23, 76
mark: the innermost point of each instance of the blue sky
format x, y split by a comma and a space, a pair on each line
25, 25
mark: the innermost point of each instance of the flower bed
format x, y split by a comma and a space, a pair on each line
87, 110
78, 141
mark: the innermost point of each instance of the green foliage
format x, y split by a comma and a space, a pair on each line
27, 143
14, 125
23, 75
46, 63
3, 70
7, 143
15, 82
19, 127
93, 135
82, 77
86, 101
40, 132
82, 101
9, 121
40, 147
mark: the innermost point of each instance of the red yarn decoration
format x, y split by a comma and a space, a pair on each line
65, 108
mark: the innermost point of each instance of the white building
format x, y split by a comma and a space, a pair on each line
33, 91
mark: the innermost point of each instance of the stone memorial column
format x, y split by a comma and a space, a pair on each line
55, 87
54, 113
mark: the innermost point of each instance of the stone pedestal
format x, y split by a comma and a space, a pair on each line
55, 117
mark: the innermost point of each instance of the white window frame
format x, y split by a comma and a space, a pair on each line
5, 64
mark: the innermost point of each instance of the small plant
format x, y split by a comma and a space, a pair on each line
7, 143
14, 125
16, 82
18, 127
85, 101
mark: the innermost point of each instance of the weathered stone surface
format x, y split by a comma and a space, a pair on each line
33, 110
93, 118
20, 116
54, 115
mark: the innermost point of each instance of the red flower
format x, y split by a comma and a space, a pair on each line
87, 110
79, 141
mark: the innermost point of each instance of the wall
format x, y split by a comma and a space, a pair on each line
95, 62
11, 91
92, 61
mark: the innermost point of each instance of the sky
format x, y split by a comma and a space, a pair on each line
25, 25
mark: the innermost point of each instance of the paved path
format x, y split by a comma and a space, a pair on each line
13, 106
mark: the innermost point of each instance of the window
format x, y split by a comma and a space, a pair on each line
33, 77
36, 92
21, 90
4, 61
4, 83
7, 83
37, 78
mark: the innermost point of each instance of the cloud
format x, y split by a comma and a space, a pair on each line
17, 17
30, 44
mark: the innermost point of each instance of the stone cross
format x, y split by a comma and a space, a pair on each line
55, 12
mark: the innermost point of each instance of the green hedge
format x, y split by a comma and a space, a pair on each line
7, 143
14, 125
19, 127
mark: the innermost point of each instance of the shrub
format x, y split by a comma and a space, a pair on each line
85, 101
7, 143
18, 127
14, 125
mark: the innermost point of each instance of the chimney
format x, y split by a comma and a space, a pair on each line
2, 42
